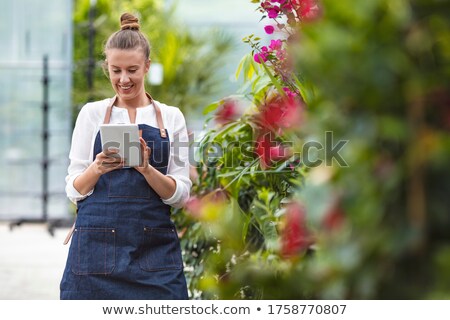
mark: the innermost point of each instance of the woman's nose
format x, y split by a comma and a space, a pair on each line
124, 77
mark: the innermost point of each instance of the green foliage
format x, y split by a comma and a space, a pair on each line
375, 73
191, 64
379, 67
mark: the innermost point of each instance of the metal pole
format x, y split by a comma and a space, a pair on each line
91, 39
45, 138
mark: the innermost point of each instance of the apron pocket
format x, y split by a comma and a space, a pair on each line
160, 250
94, 250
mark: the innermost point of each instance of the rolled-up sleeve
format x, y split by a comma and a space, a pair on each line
79, 153
178, 167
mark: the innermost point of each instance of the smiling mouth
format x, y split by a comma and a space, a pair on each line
125, 87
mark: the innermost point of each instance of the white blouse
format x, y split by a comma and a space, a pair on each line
90, 118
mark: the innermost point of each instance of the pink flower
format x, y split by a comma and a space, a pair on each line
265, 5
289, 93
194, 207
269, 29
295, 236
275, 44
227, 112
260, 56
273, 12
281, 55
197, 206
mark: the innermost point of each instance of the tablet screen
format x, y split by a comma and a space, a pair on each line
124, 137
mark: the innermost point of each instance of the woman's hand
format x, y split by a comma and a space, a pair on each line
145, 151
164, 186
104, 162
107, 161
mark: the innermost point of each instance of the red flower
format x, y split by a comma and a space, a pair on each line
295, 236
269, 150
334, 218
308, 10
227, 112
282, 112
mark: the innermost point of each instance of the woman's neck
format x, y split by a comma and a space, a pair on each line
136, 102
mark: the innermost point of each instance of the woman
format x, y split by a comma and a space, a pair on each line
124, 245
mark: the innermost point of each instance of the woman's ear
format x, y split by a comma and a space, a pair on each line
147, 65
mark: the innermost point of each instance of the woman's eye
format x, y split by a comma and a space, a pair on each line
116, 71
132, 70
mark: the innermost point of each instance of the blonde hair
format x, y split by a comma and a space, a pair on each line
129, 36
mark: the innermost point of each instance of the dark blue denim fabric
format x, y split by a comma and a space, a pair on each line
125, 246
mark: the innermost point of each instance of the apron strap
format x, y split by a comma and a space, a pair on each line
71, 231
159, 119
69, 235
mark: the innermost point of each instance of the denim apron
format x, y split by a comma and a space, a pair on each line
124, 244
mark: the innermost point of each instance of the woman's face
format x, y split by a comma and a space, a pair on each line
127, 70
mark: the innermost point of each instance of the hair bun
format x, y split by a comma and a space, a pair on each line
128, 21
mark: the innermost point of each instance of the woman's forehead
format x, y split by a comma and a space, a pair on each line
125, 56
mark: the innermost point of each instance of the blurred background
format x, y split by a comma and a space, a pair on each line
375, 73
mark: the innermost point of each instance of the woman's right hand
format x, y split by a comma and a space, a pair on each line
107, 161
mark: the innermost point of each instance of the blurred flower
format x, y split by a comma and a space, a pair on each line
295, 236
269, 150
207, 206
227, 112
281, 112
307, 10
194, 207
334, 217
289, 93
269, 29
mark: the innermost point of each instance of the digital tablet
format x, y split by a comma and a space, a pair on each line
124, 137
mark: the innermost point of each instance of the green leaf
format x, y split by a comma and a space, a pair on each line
274, 80
260, 83
305, 88
240, 66
213, 106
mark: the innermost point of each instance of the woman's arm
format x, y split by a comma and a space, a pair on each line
173, 188
163, 185
103, 163
83, 173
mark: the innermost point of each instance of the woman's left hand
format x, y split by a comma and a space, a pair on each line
145, 151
